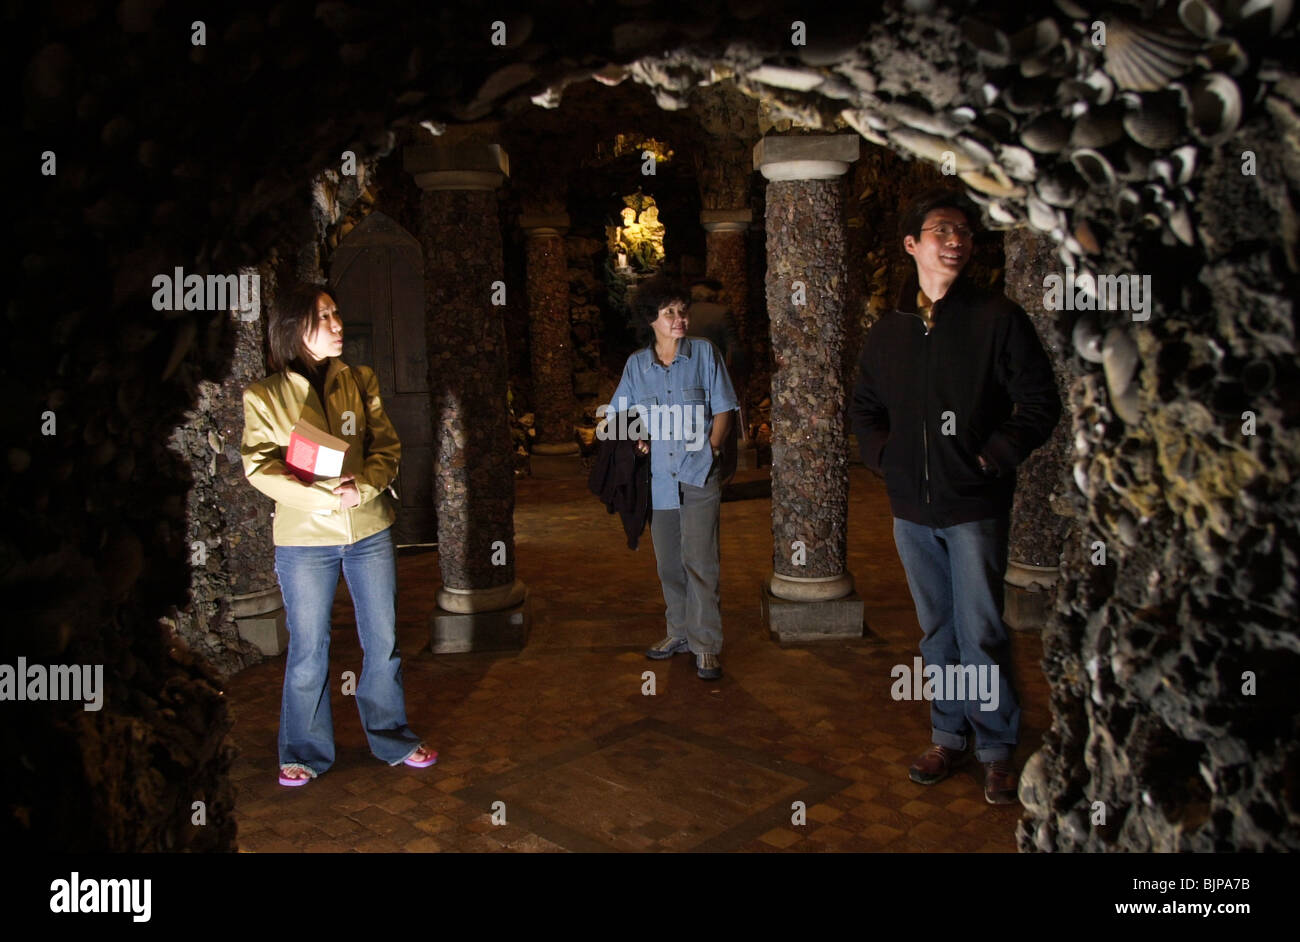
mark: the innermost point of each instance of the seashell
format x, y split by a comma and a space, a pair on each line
1103, 86
963, 114
923, 120
1200, 17
1042, 216
1002, 124
1184, 160
1128, 205
989, 40
1119, 360
1099, 127
932, 148
1137, 161
1002, 215
1081, 481
1180, 224
1144, 59
1119, 364
1064, 254
1035, 40
1061, 186
1087, 338
990, 185
1215, 107
1157, 123
989, 93
1017, 162
975, 150
1225, 55
1046, 134
1093, 167
1027, 95
1266, 14
1086, 238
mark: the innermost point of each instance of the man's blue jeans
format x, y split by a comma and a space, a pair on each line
309, 577
955, 574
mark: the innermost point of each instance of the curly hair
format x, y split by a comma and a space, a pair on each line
652, 296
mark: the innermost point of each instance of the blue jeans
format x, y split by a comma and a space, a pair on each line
955, 574
309, 577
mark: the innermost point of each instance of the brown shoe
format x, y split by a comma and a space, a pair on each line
1000, 782
936, 765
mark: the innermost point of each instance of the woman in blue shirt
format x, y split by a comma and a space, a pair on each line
686, 400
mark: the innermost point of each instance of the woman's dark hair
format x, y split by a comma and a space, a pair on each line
292, 315
652, 295
930, 200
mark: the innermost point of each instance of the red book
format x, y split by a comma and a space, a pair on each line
313, 454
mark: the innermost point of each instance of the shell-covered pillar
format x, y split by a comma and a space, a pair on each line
1038, 527
473, 470
725, 262
806, 273
555, 452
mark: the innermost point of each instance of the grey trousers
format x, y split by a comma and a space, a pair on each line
686, 552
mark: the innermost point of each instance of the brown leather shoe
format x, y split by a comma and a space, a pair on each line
936, 765
1000, 782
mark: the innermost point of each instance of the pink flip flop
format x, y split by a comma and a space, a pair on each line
293, 782
433, 757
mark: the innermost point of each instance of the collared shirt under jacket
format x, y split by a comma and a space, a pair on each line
930, 400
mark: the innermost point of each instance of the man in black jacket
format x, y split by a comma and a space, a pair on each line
954, 391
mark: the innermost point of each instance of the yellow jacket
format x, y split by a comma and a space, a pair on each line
309, 514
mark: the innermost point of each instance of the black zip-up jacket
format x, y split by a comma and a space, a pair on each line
621, 479
927, 404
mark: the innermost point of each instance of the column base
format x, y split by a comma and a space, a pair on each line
474, 601
555, 461
810, 589
260, 620
502, 630
1029, 594
825, 620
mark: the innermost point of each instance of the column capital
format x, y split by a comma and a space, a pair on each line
544, 224
464, 165
726, 220
806, 156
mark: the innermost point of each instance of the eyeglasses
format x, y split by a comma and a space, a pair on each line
945, 230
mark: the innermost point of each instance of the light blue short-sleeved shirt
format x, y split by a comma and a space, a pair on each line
677, 404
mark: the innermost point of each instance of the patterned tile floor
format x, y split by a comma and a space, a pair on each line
561, 735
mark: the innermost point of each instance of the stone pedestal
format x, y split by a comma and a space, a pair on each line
502, 630
827, 620
1030, 592
806, 272
474, 460
260, 619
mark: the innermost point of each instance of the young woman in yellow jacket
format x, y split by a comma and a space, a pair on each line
325, 524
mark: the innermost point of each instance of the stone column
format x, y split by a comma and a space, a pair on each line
810, 593
1038, 530
726, 263
554, 453
481, 603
